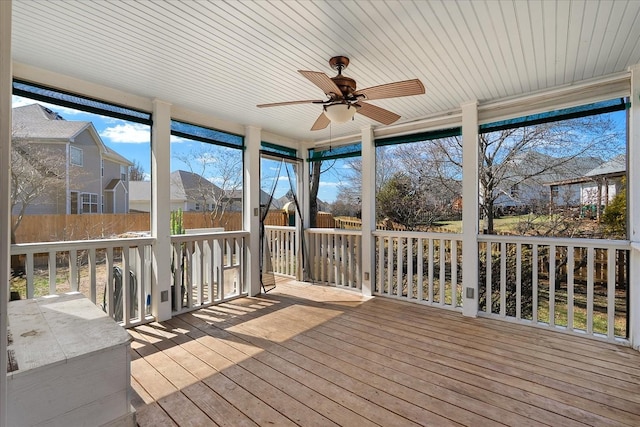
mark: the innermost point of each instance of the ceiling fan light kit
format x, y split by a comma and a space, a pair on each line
340, 113
343, 100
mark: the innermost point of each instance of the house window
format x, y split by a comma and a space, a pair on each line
74, 202
75, 154
197, 206
124, 172
514, 190
89, 203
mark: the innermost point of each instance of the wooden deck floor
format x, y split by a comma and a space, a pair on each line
316, 356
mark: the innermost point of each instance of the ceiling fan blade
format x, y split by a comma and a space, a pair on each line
376, 113
321, 122
277, 104
321, 80
393, 90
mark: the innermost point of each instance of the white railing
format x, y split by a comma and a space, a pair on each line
207, 269
419, 267
280, 250
573, 285
334, 256
93, 267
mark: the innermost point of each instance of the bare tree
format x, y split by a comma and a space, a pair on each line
514, 160
318, 167
38, 175
136, 172
218, 179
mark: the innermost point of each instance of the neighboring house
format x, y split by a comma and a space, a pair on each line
526, 184
596, 188
190, 192
93, 178
194, 193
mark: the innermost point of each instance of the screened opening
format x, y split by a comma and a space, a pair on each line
206, 178
73, 159
561, 175
336, 187
558, 174
419, 182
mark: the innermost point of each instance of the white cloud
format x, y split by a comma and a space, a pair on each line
177, 139
18, 101
326, 184
130, 133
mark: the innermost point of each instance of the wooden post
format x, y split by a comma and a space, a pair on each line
633, 203
368, 211
161, 210
5, 186
470, 188
251, 208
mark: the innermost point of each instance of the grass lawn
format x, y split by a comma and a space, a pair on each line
506, 224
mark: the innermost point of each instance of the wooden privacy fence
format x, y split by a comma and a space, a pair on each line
53, 228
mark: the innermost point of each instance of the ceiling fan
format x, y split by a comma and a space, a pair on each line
344, 100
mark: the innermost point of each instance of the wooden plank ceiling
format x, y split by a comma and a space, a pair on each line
224, 57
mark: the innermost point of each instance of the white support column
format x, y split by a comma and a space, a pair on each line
470, 208
633, 202
5, 191
368, 210
251, 201
161, 210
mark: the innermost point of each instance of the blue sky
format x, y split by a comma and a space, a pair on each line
132, 140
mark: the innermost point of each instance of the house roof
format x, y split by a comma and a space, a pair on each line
615, 166
191, 186
113, 184
555, 168
35, 121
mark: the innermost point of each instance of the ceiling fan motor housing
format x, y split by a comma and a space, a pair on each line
346, 85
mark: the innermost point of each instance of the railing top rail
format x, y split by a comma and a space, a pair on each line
279, 227
415, 234
562, 241
333, 231
179, 238
43, 247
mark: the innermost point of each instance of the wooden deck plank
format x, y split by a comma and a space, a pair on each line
487, 353
555, 347
497, 405
430, 396
453, 339
248, 403
321, 404
218, 409
184, 412
407, 411
153, 415
309, 355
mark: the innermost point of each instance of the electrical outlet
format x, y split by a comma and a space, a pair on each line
164, 296
470, 292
